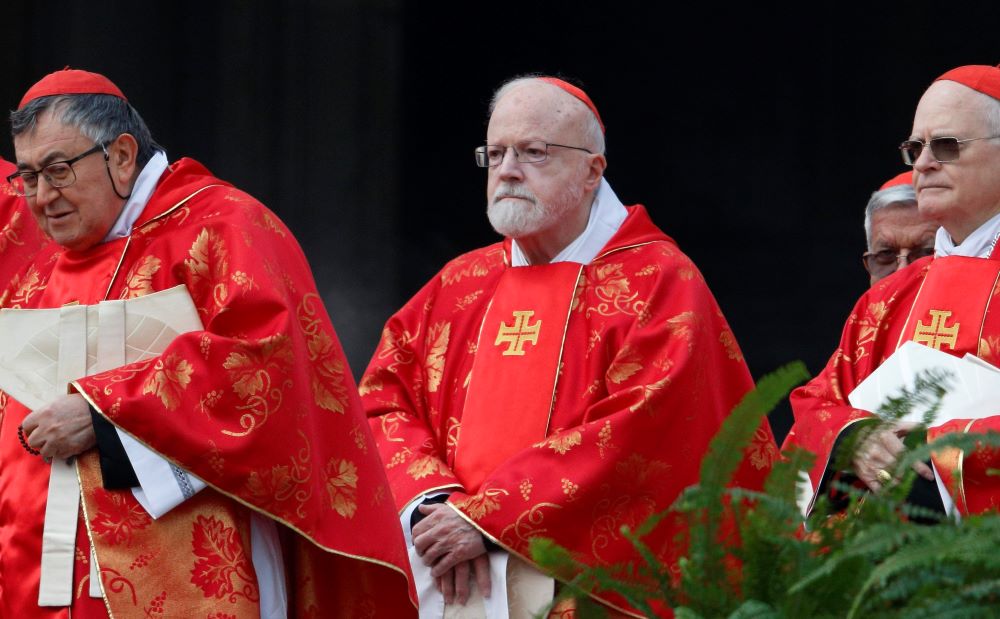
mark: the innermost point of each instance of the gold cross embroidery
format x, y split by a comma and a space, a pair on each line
517, 334
936, 334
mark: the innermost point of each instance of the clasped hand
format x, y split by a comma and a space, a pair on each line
454, 550
60, 429
879, 452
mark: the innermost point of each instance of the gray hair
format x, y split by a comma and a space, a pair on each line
594, 135
102, 118
904, 195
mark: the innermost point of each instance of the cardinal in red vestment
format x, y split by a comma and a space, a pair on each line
944, 301
560, 384
259, 491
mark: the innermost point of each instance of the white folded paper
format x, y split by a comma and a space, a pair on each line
973, 385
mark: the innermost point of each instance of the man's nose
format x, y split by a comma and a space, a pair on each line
45, 192
509, 166
903, 258
926, 160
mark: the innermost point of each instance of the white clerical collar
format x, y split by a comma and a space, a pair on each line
979, 244
141, 192
606, 215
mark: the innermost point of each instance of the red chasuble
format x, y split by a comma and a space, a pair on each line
648, 370
946, 303
260, 405
20, 242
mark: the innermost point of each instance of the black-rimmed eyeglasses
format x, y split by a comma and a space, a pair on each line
492, 155
943, 149
58, 174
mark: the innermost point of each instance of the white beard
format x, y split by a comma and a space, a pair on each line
516, 218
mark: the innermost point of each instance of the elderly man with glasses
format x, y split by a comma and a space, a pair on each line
897, 234
946, 302
200, 450
561, 383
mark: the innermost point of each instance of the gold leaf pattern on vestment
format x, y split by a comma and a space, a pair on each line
10, 232
868, 326
169, 379
139, 281
222, 562
328, 385
625, 365
648, 270
989, 348
562, 443
209, 267
427, 465
528, 524
269, 487
683, 326
763, 451
250, 366
467, 300
396, 346
437, 344
478, 506
26, 287
342, 484
609, 285
728, 341
370, 383
117, 517
471, 265
646, 394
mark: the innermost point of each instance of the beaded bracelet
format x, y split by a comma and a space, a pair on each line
24, 443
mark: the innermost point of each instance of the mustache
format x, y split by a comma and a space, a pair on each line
510, 190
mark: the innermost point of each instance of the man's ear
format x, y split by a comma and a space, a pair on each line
122, 153
595, 171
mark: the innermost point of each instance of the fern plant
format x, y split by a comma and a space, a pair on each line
868, 560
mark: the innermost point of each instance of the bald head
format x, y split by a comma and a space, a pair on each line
591, 132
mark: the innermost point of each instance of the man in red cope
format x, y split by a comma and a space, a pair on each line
896, 233
561, 383
231, 475
944, 301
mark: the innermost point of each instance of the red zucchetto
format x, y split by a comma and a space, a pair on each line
979, 77
71, 82
576, 92
906, 178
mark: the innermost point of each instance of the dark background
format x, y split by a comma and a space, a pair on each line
753, 135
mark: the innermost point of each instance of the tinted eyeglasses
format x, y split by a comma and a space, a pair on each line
882, 263
943, 149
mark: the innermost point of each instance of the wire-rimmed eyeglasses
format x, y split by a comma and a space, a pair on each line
943, 149
534, 151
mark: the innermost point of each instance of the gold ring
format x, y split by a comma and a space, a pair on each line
883, 476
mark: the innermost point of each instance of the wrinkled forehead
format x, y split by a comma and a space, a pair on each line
536, 110
950, 106
48, 135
